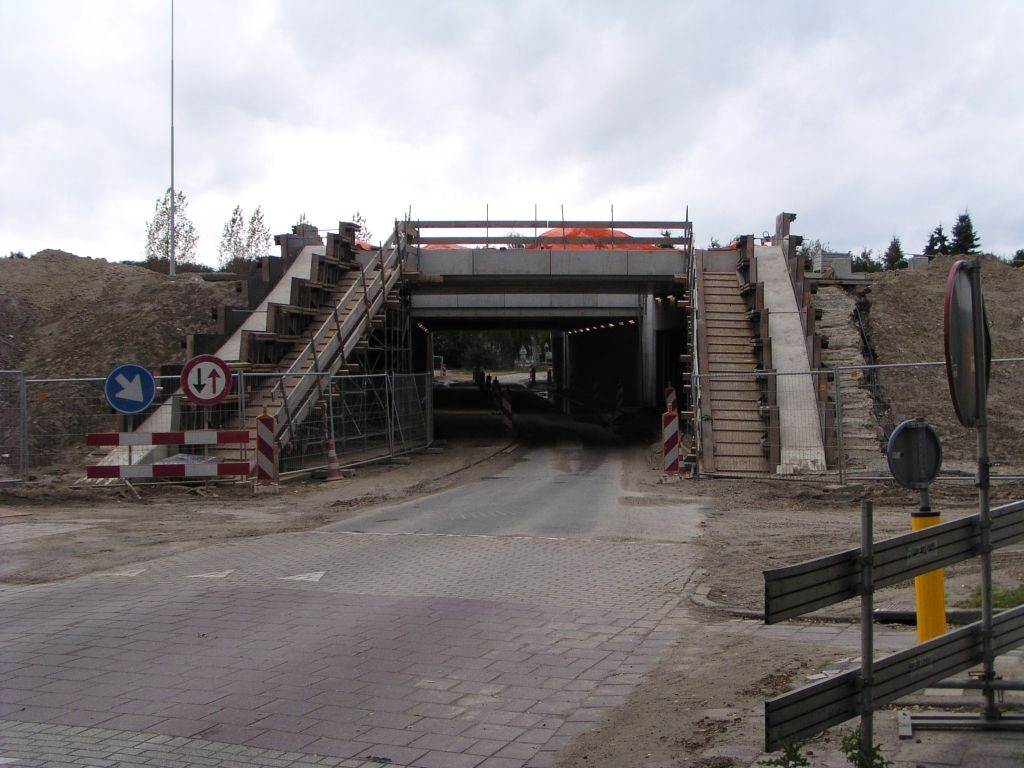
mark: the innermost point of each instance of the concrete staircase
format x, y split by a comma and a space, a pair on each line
312, 322
737, 427
319, 331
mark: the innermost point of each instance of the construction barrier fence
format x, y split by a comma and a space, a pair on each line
44, 422
798, 424
13, 427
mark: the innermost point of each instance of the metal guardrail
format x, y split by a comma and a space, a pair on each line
798, 589
810, 710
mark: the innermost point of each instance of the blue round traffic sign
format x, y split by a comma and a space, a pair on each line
130, 388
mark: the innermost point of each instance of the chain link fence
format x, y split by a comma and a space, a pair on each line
766, 422
43, 422
13, 427
837, 422
874, 400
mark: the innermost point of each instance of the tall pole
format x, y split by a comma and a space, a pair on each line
170, 234
989, 711
867, 618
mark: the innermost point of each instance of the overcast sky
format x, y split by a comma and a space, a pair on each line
866, 119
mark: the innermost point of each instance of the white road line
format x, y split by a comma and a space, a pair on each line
134, 572
314, 576
218, 575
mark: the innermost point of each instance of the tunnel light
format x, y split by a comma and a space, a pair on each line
621, 323
670, 297
632, 322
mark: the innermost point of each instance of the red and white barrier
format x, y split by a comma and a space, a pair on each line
198, 437
266, 461
670, 399
506, 410
146, 471
670, 440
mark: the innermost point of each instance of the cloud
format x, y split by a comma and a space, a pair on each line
866, 119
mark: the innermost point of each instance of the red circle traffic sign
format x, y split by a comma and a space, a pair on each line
962, 359
206, 379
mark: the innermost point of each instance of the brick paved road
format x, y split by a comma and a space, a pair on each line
344, 648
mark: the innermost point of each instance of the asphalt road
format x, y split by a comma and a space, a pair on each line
484, 626
566, 482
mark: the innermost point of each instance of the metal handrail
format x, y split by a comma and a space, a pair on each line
303, 395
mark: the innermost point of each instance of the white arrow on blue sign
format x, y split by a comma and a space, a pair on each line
130, 388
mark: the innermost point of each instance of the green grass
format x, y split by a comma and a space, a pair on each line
1002, 597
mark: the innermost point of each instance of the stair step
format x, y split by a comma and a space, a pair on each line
725, 449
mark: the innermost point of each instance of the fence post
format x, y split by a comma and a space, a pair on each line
23, 424
430, 407
389, 397
840, 447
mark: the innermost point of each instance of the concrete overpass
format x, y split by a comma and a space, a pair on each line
614, 302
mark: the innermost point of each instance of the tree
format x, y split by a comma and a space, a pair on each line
158, 231
938, 243
714, 244
965, 241
893, 258
865, 262
1018, 258
302, 220
232, 246
364, 231
257, 238
15, 255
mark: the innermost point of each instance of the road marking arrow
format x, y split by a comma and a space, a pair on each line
218, 575
314, 576
130, 390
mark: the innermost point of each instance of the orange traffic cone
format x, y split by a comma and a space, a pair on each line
333, 470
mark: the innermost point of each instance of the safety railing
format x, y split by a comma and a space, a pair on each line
337, 336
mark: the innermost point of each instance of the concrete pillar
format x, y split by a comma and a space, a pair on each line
559, 358
648, 351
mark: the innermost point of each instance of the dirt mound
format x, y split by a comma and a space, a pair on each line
65, 316
904, 318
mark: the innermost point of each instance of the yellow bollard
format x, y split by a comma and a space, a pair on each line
929, 588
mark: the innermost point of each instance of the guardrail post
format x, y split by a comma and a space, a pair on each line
867, 618
23, 424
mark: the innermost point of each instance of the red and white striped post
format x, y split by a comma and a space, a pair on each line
506, 410
670, 440
266, 458
670, 399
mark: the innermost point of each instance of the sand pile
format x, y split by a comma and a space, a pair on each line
65, 316
905, 325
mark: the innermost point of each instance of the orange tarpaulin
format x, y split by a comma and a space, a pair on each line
590, 232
